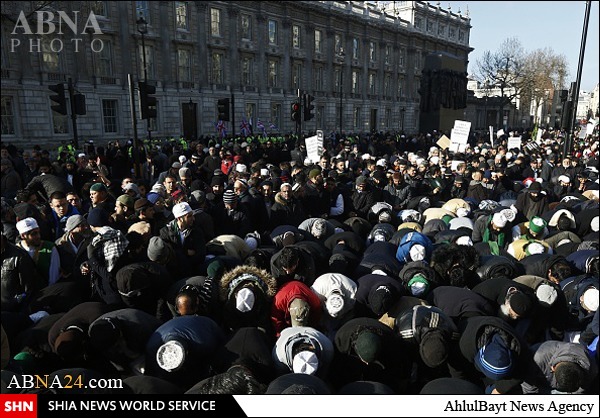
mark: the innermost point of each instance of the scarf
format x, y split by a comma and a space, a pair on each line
487, 235
113, 243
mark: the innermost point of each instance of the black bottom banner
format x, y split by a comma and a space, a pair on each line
65, 406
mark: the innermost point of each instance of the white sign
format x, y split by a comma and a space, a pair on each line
590, 128
312, 148
514, 142
492, 135
320, 141
460, 132
500, 133
540, 132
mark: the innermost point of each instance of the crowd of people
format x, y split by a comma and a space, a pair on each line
390, 265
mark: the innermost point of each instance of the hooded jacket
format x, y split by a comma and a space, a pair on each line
493, 266
540, 264
136, 327
413, 323
540, 377
460, 303
263, 287
415, 267
381, 255
201, 338
477, 332
389, 368
282, 351
369, 282
408, 241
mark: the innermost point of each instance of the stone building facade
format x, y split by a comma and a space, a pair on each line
363, 57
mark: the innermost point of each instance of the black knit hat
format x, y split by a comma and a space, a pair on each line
381, 298
521, 303
433, 348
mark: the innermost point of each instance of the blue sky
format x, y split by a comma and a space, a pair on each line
547, 24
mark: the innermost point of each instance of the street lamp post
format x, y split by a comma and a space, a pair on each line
342, 56
142, 27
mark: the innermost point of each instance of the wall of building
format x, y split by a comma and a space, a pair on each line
398, 45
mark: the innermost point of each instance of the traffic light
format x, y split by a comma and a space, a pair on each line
223, 109
79, 102
59, 98
308, 107
147, 101
295, 114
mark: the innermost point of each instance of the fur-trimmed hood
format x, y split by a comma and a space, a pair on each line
234, 278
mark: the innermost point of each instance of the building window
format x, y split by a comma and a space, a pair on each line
416, 85
452, 33
250, 112
296, 38
357, 121
247, 71
184, 65
400, 86
318, 40
100, 8
181, 15
372, 51
297, 76
318, 72
246, 27
338, 44
105, 67
109, 116
50, 54
355, 49
418, 60
272, 32
319, 115
273, 73
401, 57
215, 22
388, 118
337, 78
217, 68
429, 26
153, 122
149, 61
8, 116
461, 36
275, 119
442, 30
387, 85
355, 82
142, 9
388, 54
418, 22
372, 84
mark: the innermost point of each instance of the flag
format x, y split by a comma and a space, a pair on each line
261, 126
245, 127
221, 129
272, 126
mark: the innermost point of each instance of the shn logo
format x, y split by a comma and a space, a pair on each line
18, 406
